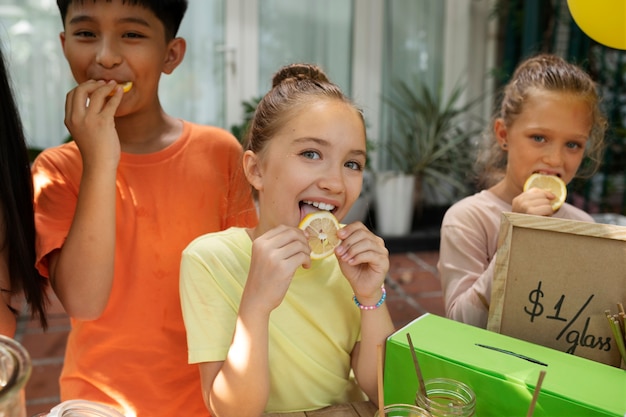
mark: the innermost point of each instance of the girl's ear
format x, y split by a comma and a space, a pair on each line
174, 55
500, 132
252, 170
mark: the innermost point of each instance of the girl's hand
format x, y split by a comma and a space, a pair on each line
275, 257
89, 117
363, 259
534, 201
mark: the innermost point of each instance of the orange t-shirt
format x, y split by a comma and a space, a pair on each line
135, 355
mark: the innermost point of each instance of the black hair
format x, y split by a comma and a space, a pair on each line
169, 12
16, 202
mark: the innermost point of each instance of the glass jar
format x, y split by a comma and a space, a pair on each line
15, 369
80, 408
403, 410
447, 398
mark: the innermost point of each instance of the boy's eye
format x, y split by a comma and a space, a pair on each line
133, 35
84, 34
311, 154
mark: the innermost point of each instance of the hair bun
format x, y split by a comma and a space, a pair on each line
297, 72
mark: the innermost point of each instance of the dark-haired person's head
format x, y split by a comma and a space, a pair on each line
169, 12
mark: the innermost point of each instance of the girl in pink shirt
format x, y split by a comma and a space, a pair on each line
548, 121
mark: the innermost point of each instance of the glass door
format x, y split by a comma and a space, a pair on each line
196, 90
306, 31
233, 49
262, 36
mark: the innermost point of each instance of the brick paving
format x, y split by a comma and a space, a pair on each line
412, 290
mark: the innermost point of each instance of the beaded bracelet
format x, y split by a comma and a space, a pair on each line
375, 306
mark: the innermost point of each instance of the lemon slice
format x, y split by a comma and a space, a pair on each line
125, 87
551, 183
321, 228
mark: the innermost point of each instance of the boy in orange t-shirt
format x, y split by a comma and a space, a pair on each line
115, 207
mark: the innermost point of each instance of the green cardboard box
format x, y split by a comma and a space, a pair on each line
503, 383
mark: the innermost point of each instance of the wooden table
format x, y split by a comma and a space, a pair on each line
358, 409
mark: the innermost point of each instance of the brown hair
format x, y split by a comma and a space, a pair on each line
293, 87
549, 73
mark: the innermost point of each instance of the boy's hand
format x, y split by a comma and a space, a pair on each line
89, 117
275, 257
363, 259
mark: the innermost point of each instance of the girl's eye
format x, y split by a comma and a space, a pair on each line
311, 154
538, 138
354, 165
574, 145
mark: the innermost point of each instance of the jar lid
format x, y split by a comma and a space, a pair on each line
83, 408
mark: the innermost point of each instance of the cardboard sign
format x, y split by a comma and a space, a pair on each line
554, 279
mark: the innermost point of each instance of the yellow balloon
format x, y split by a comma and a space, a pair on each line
604, 21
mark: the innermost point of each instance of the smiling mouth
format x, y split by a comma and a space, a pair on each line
308, 206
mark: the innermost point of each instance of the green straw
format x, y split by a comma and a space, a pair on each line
618, 334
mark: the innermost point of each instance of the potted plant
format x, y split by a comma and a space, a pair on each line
431, 147
394, 194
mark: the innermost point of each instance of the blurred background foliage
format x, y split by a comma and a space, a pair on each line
531, 26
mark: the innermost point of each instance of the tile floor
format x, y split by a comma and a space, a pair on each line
412, 290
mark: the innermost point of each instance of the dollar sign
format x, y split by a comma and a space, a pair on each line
537, 308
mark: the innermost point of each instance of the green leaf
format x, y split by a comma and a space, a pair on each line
432, 135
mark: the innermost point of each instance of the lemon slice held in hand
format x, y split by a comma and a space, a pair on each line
125, 87
551, 183
321, 228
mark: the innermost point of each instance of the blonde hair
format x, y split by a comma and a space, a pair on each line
293, 86
548, 73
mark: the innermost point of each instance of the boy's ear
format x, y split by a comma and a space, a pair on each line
62, 38
175, 54
252, 170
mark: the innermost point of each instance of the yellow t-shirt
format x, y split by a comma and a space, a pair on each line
134, 357
311, 334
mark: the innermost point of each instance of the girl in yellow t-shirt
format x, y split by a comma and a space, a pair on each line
272, 329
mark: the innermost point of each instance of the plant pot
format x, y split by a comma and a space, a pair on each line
394, 203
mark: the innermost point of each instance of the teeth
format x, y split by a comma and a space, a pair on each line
321, 206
